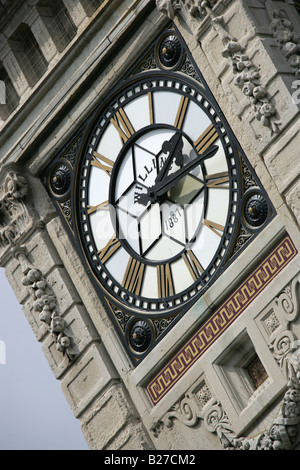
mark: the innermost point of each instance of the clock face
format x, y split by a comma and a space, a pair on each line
158, 194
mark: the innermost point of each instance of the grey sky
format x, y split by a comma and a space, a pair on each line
34, 414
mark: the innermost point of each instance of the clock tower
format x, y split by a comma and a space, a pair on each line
149, 215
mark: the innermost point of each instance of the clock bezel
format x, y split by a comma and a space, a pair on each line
139, 305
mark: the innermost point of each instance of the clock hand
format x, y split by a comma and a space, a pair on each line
164, 186
174, 147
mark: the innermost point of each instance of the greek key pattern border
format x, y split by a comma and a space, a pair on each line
229, 311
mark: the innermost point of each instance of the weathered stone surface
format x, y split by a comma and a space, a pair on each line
248, 52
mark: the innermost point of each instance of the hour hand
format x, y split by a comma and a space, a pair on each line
143, 199
149, 196
160, 188
164, 186
174, 147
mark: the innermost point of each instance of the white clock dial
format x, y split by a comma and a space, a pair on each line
159, 192
156, 194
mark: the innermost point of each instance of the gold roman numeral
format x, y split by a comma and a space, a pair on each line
109, 249
133, 277
164, 281
193, 264
216, 228
206, 139
151, 109
103, 163
123, 125
102, 206
218, 180
181, 112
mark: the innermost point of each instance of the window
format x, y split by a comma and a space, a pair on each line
257, 372
58, 22
9, 98
28, 54
242, 371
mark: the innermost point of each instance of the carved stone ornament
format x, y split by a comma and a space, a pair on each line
248, 78
284, 433
285, 36
195, 8
17, 215
45, 304
13, 210
189, 411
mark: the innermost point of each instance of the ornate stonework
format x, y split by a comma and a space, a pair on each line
225, 315
284, 433
14, 212
188, 393
16, 217
287, 39
45, 304
247, 75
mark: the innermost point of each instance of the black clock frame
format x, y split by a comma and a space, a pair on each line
137, 325
171, 303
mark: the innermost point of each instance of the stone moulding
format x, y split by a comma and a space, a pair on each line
247, 75
284, 432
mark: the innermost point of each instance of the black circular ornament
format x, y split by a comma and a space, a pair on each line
60, 179
140, 336
169, 51
255, 210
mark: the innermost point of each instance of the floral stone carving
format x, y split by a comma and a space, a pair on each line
248, 80
13, 210
248, 77
44, 303
195, 8
286, 38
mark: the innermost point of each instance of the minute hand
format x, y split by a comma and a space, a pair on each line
164, 186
